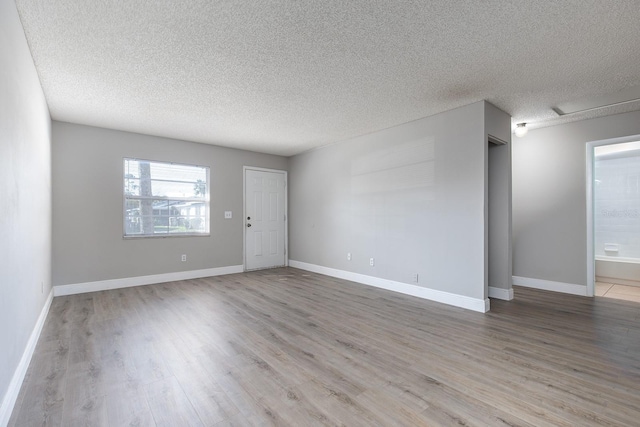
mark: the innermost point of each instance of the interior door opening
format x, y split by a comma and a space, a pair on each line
613, 214
614, 217
498, 269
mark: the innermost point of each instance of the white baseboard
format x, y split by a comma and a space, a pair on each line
500, 293
548, 285
103, 285
11, 396
403, 288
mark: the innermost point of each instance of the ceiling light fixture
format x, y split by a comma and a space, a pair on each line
521, 130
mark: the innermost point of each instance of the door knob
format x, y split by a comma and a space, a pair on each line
248, 225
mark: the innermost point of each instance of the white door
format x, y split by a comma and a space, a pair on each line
265, 219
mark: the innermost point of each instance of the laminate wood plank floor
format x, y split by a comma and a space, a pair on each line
286, 347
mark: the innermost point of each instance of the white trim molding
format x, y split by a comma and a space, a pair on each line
475, 304
11, 396
500, 293
103, 285
548, 285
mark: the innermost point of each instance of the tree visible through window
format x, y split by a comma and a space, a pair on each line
163, 199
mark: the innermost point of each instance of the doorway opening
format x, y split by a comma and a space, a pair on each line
613, 218
498, 276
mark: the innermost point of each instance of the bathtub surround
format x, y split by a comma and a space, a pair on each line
616, 195
616, 213
618, 271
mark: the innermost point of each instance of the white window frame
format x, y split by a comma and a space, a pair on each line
207, 204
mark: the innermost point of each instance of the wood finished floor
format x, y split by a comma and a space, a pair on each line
287, 347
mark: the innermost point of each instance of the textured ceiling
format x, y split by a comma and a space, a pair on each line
283, 77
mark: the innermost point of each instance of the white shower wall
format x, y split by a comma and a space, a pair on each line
617, 205
617, 217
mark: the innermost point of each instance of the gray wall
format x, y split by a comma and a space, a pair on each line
412, 197
25, 195
87, 205
549, 196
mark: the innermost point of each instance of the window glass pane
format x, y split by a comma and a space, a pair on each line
175, 172
177, 189
131, 186
165, 198
132, 225
131, 168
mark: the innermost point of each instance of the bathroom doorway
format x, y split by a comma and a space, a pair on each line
613, 218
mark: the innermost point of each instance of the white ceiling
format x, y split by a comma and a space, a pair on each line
285, 76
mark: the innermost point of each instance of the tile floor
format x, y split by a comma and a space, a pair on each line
610, 290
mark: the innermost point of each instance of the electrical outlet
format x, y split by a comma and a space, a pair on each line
371, 262
228, 215
415, 277
348, 256
184, 257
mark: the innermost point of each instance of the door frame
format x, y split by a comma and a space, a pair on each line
591, 257
244, 212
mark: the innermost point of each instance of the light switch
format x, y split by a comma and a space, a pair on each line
227, 215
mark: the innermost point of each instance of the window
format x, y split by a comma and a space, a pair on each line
165, 199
